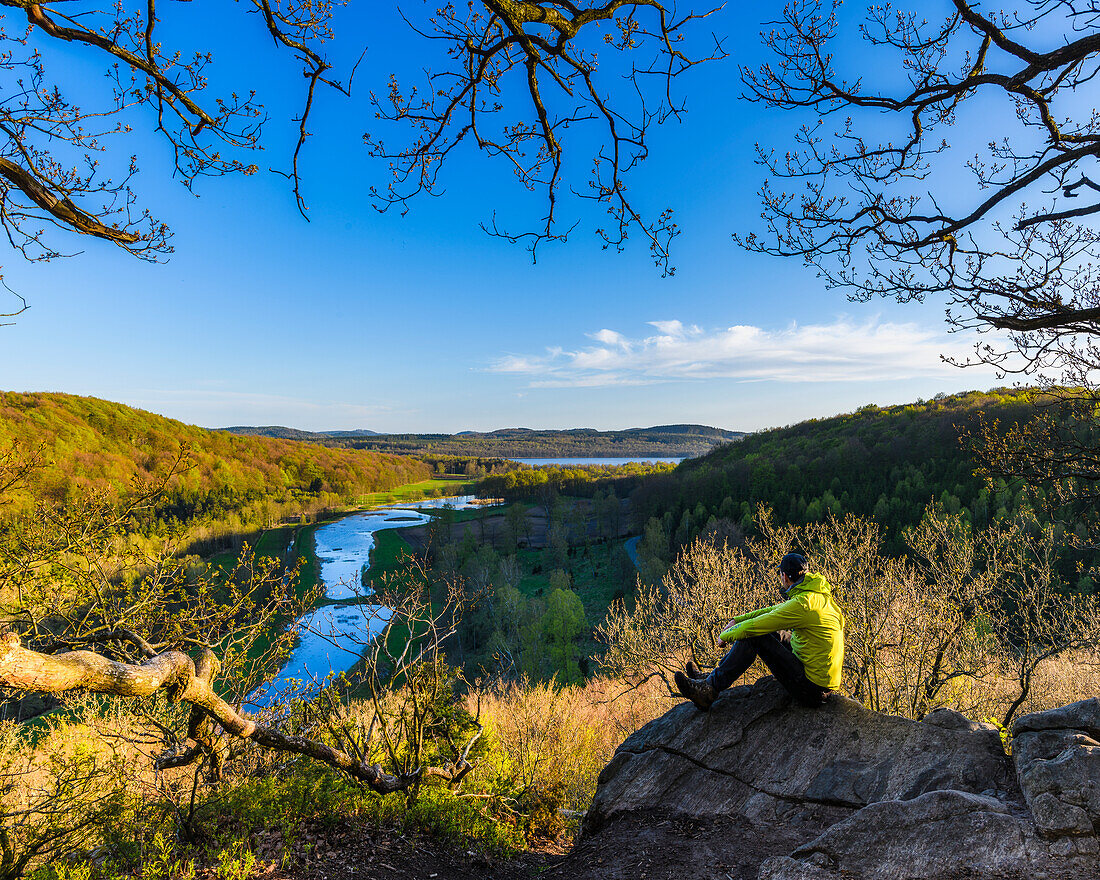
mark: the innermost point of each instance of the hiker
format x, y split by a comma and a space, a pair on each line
801, 640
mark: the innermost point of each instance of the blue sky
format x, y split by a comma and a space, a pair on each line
423, 323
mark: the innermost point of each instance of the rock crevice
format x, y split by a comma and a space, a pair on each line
806, 798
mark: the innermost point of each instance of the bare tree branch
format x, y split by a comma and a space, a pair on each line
57, 157
545, 51
872, 216
175, 673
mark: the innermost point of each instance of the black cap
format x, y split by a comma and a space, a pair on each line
793, 565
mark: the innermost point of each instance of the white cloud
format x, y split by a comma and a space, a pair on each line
843, 351
669, 328
609, 337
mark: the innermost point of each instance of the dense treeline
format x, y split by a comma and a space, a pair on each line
469, 466
665, 441
885, 464
85, 445
583, 481
537, 579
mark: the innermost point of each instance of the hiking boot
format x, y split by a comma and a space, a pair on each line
693, 671
700, 691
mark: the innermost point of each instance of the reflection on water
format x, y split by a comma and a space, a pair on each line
331, 637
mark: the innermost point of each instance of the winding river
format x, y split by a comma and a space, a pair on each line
331, 637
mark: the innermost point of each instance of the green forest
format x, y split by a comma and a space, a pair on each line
882, 463
69, 448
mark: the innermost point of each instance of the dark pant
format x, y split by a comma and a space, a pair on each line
775, 650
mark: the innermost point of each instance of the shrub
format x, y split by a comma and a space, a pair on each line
971, 620
552, 741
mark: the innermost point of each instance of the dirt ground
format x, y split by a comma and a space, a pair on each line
636, 847
656, 847
652, 847
371, 853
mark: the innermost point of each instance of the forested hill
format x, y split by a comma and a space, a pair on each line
296, 433
886, 463
85, 443
662, 441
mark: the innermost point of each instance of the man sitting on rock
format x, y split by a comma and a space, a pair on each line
801, 640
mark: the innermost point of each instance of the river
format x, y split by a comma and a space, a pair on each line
331, 637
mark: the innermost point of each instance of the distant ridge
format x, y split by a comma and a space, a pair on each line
659, 441
294, 433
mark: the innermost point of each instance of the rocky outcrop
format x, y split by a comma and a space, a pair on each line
1057, 755
757, 754
879, 797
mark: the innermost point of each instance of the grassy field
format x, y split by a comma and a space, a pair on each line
591, 572
288, 543
589, 565
387, 553
424, 489
292, 544
594, 582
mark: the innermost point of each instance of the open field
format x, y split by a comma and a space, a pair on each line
590, 564
433, 488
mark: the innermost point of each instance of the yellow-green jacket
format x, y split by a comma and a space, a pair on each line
816, 624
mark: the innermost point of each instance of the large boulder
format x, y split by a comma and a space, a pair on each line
868, 796
1057, 755
759, 755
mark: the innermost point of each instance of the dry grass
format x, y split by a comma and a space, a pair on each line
1060, 680
553, 741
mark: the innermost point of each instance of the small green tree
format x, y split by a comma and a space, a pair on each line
563, 625
653, 552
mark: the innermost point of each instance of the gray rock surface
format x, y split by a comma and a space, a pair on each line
1057, 756
758, 755
871, 796
938, 834
1083, 715
949, 719
786, 868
